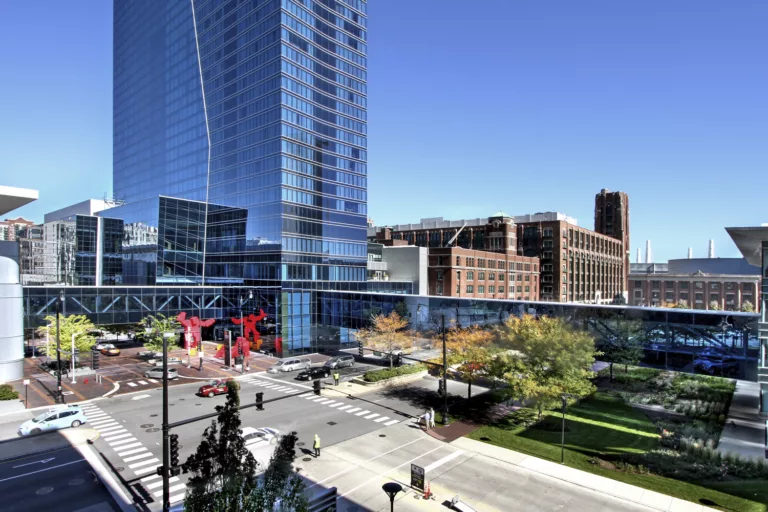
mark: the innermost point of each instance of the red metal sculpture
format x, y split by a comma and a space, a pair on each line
192, 329
249, 327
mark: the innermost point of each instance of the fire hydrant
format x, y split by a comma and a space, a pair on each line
86, 381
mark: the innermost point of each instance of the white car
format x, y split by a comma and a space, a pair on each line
261, 442
54, 418
157, 373
102, 346
291, 364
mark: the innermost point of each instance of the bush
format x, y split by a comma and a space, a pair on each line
379, 375
8, 393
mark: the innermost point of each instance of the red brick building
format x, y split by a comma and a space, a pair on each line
612, 219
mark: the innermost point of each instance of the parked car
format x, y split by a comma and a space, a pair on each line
261, 442
340, 362
291, 364
216, 387
317, 372
111, 351
102, 346
54, 418
713, 366
157, 373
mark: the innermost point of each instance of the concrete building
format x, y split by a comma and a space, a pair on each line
13, 229
731, 283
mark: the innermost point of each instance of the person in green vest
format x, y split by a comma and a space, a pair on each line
336, 377
316, 445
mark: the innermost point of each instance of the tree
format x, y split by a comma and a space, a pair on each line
473, 347
714, 305
387, 333
158, 326
224, 470
118, 329
555, 359
79, 325
624, 343
682, 304
747, 307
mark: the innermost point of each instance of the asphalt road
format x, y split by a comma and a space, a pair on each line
59, 480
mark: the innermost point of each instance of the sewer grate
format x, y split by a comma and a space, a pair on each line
147, 425
382, 435
153, 415
307, 459
331, 423
153, 430
300, 443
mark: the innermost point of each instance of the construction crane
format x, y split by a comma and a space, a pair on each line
450, 242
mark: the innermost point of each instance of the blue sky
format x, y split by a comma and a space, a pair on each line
522, 105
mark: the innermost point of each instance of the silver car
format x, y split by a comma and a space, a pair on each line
157, 373
54, 418
340, 362
291, 364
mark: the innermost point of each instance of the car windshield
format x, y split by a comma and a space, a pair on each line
41, 417
280, 363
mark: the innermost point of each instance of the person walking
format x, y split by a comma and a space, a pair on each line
336, 378
200, 366
316, 445
431, 417
427, 420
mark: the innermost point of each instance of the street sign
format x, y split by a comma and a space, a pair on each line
417, 477
26, 382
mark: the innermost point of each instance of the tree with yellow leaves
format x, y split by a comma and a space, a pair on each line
472, 347
555, 359
387, 333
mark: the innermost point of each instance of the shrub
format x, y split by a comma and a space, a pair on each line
8, 393
379, 375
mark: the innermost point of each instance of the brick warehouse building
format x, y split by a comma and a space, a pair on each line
576, 264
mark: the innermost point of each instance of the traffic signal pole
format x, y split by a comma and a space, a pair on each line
166, 471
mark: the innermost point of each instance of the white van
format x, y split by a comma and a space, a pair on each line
291, 364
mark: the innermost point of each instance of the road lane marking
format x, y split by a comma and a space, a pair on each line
442, 461
361, 412
104, 424
143, 382
365, 462
116, 429
176, 487
132, 384
41, 470
142, 471
390, 471
150, 478
305, 395
152, 380
177, 498
392, 422
383, 418
140, 397
128, 447
160, 484
354, 409
338, 404
371, 416
121, 437
344, 408
96, 424
96, 416
44, 461
144, 463
137, 457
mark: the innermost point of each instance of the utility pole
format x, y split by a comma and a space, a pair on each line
166, 469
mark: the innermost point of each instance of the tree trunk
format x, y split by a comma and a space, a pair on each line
390, 360
469, 389
540, 410
611, 372
626, 368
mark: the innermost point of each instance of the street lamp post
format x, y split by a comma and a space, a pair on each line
724, 326
59, 302
74, 334
392, 488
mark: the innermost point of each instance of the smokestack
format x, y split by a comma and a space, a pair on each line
648, 255
639, 257
711, 253
690, 253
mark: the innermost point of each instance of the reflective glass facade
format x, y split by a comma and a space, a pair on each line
256, 110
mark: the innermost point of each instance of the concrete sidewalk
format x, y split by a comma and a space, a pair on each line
744, 431
631, 493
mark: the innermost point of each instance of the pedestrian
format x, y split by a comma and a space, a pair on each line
200, 366
316, 445
431, 417
427, 420
336, 378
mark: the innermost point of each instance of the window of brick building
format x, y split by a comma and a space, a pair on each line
439, 288
638, 284
683, 285
491, 289
519, 277
655, 285
458, 261
470, 288
481, 262
491, 276
439, 275
547, 231
501, 276
684, 296
698, 285
481, 276
519, 289
481, 289
699, 298
470, 275
547, 255
714, 286
501, 289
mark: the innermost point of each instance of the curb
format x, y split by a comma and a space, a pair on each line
114, 390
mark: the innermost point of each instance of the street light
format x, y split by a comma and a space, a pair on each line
59, 303
724, 326
392, 488
74, 334
444, 420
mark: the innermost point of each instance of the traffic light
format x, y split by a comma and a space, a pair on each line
360, 348
95, 359
174, 438
159, 470
259, 401
398, 359
316, 385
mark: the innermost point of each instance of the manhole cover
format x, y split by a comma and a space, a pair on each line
119, 469
153, 429
198, 404
382, 435
153, 415
307, 459
331, 423
300, 443
44, 490
147, 425
76, 481
171, 405
182, 399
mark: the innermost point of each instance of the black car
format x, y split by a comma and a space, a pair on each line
317, 372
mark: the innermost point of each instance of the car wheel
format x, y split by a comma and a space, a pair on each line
76, 423
210, 394
35, 431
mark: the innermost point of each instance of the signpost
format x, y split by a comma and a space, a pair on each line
26, 385
417, 477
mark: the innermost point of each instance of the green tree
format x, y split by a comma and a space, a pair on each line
224, 470
747, 307
554, 359
623, 344
472, 346
158, 326
682, 304
79, 325
714, 305
387, 333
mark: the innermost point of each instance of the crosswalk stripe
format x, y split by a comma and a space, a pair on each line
323, 400
160, 484
177, 498
117, 429
137, 457
144, 463
176, 487
310, 397
354, 409
371, 416
113, 440
129, 449
383, 418
90, 408
152, 380
143, 383
345, 407
337, 404
305, 395
329, 404
142, 471
392, 422
280, 388
97, 415
132, 384
97, 424
289, 390
150, 478
361, 412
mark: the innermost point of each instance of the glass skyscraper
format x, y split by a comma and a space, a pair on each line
240, 142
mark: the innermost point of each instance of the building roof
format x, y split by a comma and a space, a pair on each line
749, 241
500, 213
13, 197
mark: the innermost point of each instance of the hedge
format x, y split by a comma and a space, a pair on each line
8, 393
379, 375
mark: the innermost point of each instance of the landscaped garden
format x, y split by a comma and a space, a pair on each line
654, 429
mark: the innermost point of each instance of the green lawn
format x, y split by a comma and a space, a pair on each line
604, 425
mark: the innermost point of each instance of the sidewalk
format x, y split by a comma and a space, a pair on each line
31, 445
631, 493
744, 431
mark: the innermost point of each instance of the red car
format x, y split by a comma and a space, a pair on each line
216, 387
